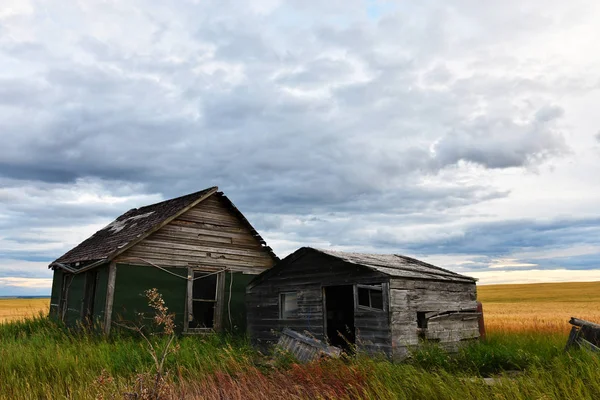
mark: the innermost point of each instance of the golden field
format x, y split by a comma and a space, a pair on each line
543, 307
14, 309
538, 307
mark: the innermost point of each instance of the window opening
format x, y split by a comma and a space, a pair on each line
204, 300
370, 296
288, 305
421, 320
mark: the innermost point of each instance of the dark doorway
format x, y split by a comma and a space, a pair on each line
64, 294
339, 310
87, 311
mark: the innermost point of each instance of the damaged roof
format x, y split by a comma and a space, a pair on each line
396, 265
393, 265
137, 223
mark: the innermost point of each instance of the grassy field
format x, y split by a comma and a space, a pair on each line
524, 356
14, 309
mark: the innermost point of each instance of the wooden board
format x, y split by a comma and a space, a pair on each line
209, 234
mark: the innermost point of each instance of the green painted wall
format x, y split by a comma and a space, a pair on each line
75, 300
75, 295
100, 297
129, 301
237, 306
133, 280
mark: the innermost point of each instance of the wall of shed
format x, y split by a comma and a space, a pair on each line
209, 234
75, 295
407, 297
133, 280
307, 276
131, 283
75, 300
234, 304
100, 298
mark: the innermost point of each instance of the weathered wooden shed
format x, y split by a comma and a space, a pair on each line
380, 303
198, 250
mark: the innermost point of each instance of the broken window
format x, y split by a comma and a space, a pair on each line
370, 296
288, 305
204, 300
421, 319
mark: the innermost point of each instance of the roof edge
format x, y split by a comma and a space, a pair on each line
455, 274
245, 221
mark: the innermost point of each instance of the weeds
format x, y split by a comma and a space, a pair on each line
41, 359
160, 344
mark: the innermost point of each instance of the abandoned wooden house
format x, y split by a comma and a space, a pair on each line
198, 250
379, 303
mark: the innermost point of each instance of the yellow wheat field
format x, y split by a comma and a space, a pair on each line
540, 307
14, 309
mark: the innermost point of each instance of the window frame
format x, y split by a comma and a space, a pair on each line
282, 305
219, 287
374, 287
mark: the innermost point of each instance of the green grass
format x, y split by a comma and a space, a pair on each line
40, 359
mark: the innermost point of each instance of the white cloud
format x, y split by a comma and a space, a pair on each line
510, 263
28, 283
535, 276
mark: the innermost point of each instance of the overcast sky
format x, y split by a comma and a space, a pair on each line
464, 133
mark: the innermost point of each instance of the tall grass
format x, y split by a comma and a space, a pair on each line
40, 359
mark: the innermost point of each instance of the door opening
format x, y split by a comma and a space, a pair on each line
87, 312
339, 310
64, 294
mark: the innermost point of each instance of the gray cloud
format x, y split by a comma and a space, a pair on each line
501, 143
319, 124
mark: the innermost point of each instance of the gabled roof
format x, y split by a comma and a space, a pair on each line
396, 265
138, 223
393, 265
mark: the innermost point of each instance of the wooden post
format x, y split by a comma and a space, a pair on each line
220, 303
189, 315
572, 338
110, 295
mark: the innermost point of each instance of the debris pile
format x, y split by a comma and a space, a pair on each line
305, 348
584, 334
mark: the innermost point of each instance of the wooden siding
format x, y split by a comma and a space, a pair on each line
308, 275
208, 235
408, 297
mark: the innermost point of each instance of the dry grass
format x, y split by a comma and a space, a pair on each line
539, 307
15, 309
